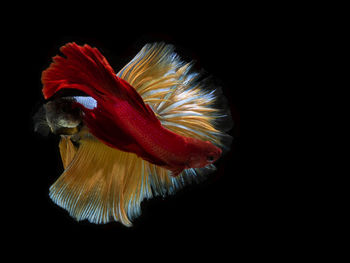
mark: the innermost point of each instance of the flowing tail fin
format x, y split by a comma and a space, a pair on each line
184, 101
181, 98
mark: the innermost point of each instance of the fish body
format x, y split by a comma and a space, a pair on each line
148, 130
121, 119
130, 131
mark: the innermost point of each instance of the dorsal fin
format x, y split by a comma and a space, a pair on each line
86, 69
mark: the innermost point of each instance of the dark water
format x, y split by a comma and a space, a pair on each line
207, 213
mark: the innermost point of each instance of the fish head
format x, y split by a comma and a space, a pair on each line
62, 116
205, 153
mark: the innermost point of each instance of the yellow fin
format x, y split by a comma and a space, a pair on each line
67, 150
183, 103
101, 184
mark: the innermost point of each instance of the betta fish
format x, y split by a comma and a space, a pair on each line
147, 130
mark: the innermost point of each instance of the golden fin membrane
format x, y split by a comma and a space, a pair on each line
100, 184
183, 102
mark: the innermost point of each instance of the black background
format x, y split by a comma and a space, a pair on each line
211, 213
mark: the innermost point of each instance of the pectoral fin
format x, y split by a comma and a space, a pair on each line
67, 150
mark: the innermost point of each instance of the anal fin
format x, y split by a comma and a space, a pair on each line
100, 184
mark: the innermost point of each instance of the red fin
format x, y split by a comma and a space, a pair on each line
86, 69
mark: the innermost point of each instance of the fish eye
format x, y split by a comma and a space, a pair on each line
210, 158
